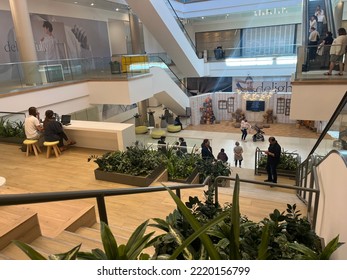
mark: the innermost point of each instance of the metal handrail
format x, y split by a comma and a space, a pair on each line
99, 195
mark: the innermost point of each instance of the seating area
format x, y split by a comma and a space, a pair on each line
141, 129
52, 147
32, 146
156, 134
173, 128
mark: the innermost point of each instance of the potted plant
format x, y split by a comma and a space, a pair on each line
115, 67
137, 166
214, 168
288, 165
11, 131
182, 167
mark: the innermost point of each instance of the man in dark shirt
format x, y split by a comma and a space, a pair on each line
273, 158
162, 144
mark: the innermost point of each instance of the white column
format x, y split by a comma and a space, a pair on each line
25, 41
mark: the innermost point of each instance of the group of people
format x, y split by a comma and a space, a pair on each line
180, 146
273, 156
331, 49
50, 130
207, 154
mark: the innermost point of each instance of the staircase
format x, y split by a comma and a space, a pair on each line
52, 228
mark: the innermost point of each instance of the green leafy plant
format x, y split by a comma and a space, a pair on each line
136, 160
180, 166
11, 129
227, 236
288, 161
132, 250
213, 168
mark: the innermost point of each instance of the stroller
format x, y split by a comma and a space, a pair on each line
259, 135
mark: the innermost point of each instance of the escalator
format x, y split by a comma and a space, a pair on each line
325, 23
158, 18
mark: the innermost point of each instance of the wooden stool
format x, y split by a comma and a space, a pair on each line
52, 146
32, 146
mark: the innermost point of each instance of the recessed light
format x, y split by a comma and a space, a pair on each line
92, 4
117, 9
75, 2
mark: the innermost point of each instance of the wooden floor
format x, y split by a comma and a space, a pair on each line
72, 171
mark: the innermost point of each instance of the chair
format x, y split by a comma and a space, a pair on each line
52, 146
31, 146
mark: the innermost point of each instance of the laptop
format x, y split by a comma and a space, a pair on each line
66, 119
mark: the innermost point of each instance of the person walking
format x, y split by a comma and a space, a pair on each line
238, 154
273, 158
222, 156
244, 128
337, 51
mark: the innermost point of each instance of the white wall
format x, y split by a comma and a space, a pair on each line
332, 173
117, 36
315, 101
63, 100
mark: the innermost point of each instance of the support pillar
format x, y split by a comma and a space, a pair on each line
25, 41
137, 48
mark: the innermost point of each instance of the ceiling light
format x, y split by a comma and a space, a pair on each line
92, 4
117, 9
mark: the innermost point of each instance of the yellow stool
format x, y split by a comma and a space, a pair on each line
52, 146
141, 129
173, 128
32, 146
156, 134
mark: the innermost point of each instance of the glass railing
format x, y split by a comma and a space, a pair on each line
163, 61
180, 24
279, 50
193, 144
334, 135
313, 63
24, 75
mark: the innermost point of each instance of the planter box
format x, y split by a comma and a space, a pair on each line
15, 140
122, 178
280, 172
192, 179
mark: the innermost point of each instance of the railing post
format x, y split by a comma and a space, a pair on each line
102, 209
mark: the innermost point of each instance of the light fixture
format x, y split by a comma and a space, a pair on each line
92, 4
256, 95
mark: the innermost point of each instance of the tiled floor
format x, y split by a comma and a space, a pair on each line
224, 135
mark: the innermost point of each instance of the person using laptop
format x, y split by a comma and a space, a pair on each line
53, 131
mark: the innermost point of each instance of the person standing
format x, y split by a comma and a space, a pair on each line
326, 45
319, 13
33, 129
273, 158
244, 129
238, 154
182, 146
337, 51
313, 43
206, 150
222, 156
162, 144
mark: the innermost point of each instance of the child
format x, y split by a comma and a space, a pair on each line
222, 156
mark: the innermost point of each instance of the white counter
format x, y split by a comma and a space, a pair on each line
101, 135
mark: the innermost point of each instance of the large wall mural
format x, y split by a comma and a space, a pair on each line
69, 38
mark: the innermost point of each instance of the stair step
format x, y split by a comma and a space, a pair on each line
25, 228
75, 239
94, 233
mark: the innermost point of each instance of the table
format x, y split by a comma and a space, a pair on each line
101, 135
